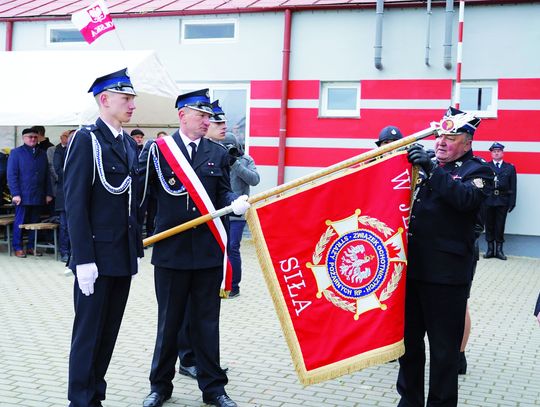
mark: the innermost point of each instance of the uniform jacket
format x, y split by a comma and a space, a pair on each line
58, 165
442, 224
504, 192
28, 175
194, 248
101, 229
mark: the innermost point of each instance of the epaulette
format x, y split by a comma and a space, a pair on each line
89, 127
479, 159
218, 143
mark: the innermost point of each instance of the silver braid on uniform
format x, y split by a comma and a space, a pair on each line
98, 159
154, 153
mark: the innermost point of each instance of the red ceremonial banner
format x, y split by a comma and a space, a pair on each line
333, 252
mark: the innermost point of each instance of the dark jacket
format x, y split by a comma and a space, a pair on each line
504, 191
194, 248
101, 227
28, 175
58, 164
442, 225
537, 308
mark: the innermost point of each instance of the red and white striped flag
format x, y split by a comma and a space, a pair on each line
93, 21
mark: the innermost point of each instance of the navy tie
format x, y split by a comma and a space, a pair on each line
193, 151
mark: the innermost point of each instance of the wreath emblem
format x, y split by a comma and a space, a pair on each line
352, 261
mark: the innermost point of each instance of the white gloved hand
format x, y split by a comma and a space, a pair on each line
240, 205
138, 267
86, 277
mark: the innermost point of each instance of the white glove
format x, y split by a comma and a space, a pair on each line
86, 277
240, 205
138, 267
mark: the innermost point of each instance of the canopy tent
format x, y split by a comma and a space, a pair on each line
50, 88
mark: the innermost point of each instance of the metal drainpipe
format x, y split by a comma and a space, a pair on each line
9, 35
448, 34
428, 34
284, 97
379, 10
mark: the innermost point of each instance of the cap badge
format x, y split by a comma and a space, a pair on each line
171, 181
447, 124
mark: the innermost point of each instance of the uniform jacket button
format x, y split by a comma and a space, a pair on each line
193, 209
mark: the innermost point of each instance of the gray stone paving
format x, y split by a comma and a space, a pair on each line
36, 316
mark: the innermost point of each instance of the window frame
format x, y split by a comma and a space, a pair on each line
216, 21
493, 84
62, 27
325, 112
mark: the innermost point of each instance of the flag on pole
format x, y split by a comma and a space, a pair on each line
333, 253
93, 21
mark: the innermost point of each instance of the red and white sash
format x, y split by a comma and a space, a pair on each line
183, 170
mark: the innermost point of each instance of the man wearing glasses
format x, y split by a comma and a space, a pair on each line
30, 186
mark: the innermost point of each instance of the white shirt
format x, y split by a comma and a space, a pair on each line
115, 132
186, 140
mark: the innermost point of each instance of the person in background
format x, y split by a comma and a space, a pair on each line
43, 142
161, 134
388, 134
30, 186
59, 158
138, 136
537, 310
501, 202
244, 175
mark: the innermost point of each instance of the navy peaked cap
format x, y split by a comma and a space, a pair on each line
496, 145
219, 114
198, 100
389, 133
118, 82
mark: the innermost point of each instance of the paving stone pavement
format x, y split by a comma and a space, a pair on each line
36, 315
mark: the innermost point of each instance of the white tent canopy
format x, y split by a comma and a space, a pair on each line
50, 88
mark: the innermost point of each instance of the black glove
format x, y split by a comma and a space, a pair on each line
418, 156
510, 209
232, 159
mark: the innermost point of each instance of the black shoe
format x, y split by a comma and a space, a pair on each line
462, 364
189, 371
234, 294
155, 399
490, 253
221, 401
499, 251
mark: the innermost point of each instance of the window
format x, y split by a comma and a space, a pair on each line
197, 31
63, 34
340, 99
479, 98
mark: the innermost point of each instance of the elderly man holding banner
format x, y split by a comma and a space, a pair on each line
440, 260
190, 176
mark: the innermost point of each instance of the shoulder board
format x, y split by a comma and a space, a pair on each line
90, 127
219, 144
479, 159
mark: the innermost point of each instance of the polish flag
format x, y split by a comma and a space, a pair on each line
93, 21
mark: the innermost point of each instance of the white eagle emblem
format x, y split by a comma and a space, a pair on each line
96, 14
351, 265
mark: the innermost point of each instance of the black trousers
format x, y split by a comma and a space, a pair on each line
173, 290
495, 222
439, 310
186, 356
95, 329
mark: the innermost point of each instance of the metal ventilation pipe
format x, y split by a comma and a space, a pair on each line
448, 34
428, 33
378, 34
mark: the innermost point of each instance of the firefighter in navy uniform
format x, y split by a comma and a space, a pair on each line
500, 202
440, 259
100, 184
189, 265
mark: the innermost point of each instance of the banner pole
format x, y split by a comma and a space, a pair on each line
368, 155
